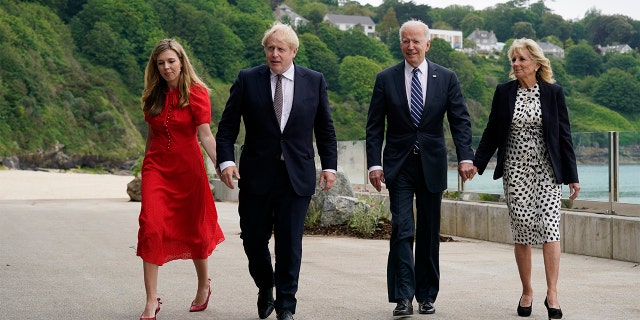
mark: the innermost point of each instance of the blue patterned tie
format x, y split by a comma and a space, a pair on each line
416, 98
416, 101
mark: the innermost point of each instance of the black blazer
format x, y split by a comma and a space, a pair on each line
389, 102
250, 100
555, 123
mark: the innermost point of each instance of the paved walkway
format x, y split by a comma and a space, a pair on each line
67, 252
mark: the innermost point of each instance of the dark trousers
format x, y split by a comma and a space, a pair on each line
407, 277
282, 212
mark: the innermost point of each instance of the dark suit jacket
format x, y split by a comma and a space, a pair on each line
389, 100
555, 123
250, 99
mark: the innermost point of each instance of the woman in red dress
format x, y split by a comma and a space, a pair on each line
178, 218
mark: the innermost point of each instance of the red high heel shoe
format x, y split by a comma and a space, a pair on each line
196, 308
157, 310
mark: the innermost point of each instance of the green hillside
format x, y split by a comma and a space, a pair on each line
71, 71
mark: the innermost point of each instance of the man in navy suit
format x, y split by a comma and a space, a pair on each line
415, 162
282, 106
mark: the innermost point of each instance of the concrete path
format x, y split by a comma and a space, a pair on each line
67, 251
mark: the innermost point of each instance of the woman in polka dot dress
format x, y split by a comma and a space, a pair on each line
529, 128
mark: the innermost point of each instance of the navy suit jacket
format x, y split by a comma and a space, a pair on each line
389, 102
250, 99
555, 124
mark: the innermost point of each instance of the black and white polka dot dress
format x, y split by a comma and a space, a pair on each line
530, 188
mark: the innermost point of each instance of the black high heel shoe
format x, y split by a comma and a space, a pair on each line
553, 312
524, 311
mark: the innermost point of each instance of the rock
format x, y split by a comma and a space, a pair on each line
337, 210
11, 162
133, 189
337, 204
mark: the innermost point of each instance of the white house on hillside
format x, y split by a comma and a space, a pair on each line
621, 48
295, 19
346, 22
551, 50
454, 38
486, 41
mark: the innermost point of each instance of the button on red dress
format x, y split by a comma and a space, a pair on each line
178, 217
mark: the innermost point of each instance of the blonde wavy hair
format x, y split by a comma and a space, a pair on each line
544, 73
282, 32
155, 86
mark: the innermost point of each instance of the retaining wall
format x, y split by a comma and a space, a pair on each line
591, 234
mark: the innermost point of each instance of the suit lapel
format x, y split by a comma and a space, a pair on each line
433, 85
399, 81
299, 80
263, 83
545, 97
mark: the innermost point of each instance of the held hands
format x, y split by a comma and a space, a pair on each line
467, 170
376, 177
328, 178
227, 175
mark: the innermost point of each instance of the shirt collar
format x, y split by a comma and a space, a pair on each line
408, 69
287, 74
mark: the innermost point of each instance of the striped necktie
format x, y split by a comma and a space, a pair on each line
416, 102
416, 98
277, 99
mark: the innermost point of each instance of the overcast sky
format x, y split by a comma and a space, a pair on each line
568, 9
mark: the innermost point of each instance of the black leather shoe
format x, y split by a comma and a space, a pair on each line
553, 312
265, 303
426, 307
403, 308
524, 311
285, 315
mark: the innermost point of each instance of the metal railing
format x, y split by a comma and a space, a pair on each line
599, 161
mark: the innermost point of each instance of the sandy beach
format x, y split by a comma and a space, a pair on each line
45, 185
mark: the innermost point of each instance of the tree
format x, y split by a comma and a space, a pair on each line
389, 22
581, 60
439, 52
471, 82
357, 76
623, 62
406, 11
539, 8
314, 11
453, 14
607, 30
250, 28
132, 20
523, 30
258, 9
502, 17
321, 59
617, 90
118, 57
354, 42
554, 25
392, 40
470, 23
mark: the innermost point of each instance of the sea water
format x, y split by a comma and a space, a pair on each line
594, 183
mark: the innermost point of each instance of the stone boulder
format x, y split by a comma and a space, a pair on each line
11, 163
133, 189
337, 204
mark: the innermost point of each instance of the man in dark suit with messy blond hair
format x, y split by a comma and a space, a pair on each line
283, 106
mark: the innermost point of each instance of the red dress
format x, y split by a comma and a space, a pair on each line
178, 217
